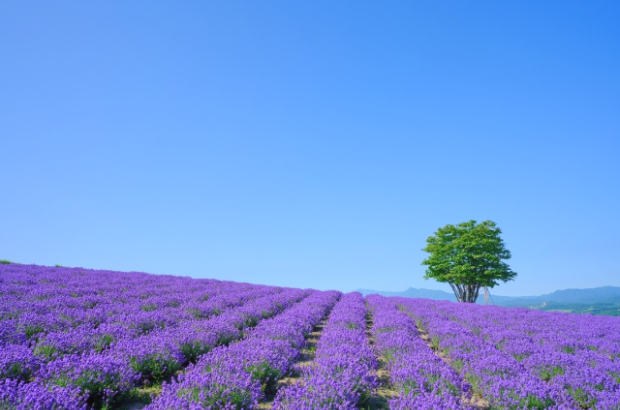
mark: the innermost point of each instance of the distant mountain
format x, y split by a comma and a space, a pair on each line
592, 295
605, 294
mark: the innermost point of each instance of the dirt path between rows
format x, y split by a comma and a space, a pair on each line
476, 400
380, 399
305, 359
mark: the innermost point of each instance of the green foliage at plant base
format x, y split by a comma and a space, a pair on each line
155, 366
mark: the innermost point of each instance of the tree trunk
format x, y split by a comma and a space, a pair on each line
466, 293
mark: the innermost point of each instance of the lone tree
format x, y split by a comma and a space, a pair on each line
468, 256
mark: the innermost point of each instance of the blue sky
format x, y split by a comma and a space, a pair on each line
310, 144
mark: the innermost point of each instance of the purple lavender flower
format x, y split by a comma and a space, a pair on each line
36, 396
99, 377
18, 362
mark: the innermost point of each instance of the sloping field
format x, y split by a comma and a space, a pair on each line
82, 339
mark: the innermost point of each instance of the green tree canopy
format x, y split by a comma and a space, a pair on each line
468, 256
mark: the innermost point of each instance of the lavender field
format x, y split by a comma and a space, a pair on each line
72, 338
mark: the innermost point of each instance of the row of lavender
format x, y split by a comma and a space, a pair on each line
518, 358
37, 300
343, 374
74, 338
237, 376
423, 380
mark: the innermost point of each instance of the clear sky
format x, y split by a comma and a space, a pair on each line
310, 144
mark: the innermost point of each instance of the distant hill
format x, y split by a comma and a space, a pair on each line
603, 300
605, 294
